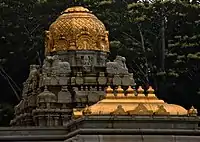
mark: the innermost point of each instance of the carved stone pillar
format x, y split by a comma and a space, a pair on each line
41, 121
65, 119
50, 121
56, 120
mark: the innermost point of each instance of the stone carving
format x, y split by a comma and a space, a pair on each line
18, 107
79, 79
25, 89
63, 80
46, 99
54, 80
127, 79
117, 80
59, 67
78, 60
64, 96
132, 81
33, 78
94, 96
86, 61
53, 66
102, 80
46, 68
118, 66
49, 44
102, 60
32, 100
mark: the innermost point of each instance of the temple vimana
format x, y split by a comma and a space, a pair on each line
78, 95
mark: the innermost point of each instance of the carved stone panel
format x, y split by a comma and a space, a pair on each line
63, 80
118, 66
117, 80
127, 80
102, 80
64, 96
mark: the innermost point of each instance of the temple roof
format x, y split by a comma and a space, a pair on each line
132, 103
77, 29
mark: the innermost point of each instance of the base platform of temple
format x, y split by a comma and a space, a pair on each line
111, 128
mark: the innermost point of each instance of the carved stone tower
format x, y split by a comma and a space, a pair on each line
75, 71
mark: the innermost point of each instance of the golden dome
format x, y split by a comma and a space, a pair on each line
137, 105
76, 29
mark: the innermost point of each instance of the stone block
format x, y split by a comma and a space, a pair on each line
79, 80
157, 138
54, 81
126, 80
187, 139
63, 80
90, 80
117, 80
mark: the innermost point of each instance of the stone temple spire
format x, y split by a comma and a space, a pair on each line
74, 73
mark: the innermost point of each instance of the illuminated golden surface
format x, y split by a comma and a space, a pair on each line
77, 29
133, 104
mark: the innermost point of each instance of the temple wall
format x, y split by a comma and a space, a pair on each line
32, 134
97, 135
134, 138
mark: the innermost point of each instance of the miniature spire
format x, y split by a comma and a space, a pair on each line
192, 111
140, 91
45, 89
109, 92
120, 92
130, 92
151, 92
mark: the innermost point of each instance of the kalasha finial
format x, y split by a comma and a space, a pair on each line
120, 92
140, 91
109, 92
151, 92
130, 92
